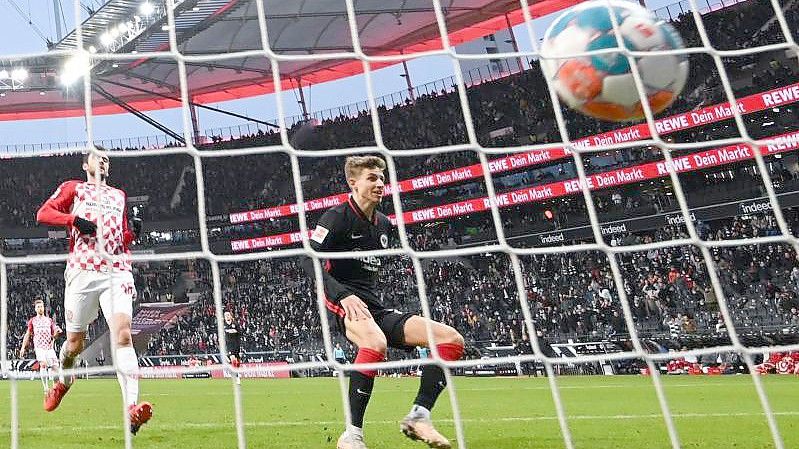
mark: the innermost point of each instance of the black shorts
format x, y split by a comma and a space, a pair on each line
390, 321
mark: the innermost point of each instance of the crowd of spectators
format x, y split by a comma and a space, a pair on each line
518, 101
155, 282
569, 295
25, 183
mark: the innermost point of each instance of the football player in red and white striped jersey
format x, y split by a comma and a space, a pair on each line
98, 275
43, 330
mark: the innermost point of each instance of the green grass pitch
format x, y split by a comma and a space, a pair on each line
498, 413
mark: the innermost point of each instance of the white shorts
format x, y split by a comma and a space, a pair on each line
47, 356
87, 291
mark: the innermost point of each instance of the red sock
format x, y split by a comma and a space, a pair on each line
450, 351
366, 355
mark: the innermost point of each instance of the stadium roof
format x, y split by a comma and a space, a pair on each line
224, 27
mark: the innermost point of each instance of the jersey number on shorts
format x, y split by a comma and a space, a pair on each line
129, 289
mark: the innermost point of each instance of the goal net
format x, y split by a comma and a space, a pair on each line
538, 238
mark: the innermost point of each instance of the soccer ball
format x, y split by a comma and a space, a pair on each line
602, 85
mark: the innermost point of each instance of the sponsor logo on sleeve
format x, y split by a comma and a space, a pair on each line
319, 234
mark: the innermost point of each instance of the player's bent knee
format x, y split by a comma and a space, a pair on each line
376, 343
450, 345
124, 338
448, 335
374, 340
367, 335
454, 337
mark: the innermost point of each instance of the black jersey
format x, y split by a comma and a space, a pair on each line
346, 228
232, 337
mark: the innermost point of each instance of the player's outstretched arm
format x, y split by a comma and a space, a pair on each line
55, 211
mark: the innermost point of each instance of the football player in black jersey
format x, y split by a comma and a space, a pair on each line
233, 341
351, 295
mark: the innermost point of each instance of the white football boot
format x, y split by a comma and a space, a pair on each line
421, 429
350, 441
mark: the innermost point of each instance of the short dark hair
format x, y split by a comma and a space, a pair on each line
86, 154
37, 301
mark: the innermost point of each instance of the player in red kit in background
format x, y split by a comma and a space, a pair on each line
43, 330
94, 280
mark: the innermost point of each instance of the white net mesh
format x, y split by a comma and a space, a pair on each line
577, 151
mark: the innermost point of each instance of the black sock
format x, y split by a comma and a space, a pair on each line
433, 383
360, 391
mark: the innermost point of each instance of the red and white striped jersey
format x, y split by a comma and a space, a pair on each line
785, 366
83, 199
43, 330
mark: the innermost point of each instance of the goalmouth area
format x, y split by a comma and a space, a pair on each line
619, 412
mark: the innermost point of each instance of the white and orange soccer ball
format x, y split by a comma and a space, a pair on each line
602, 85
